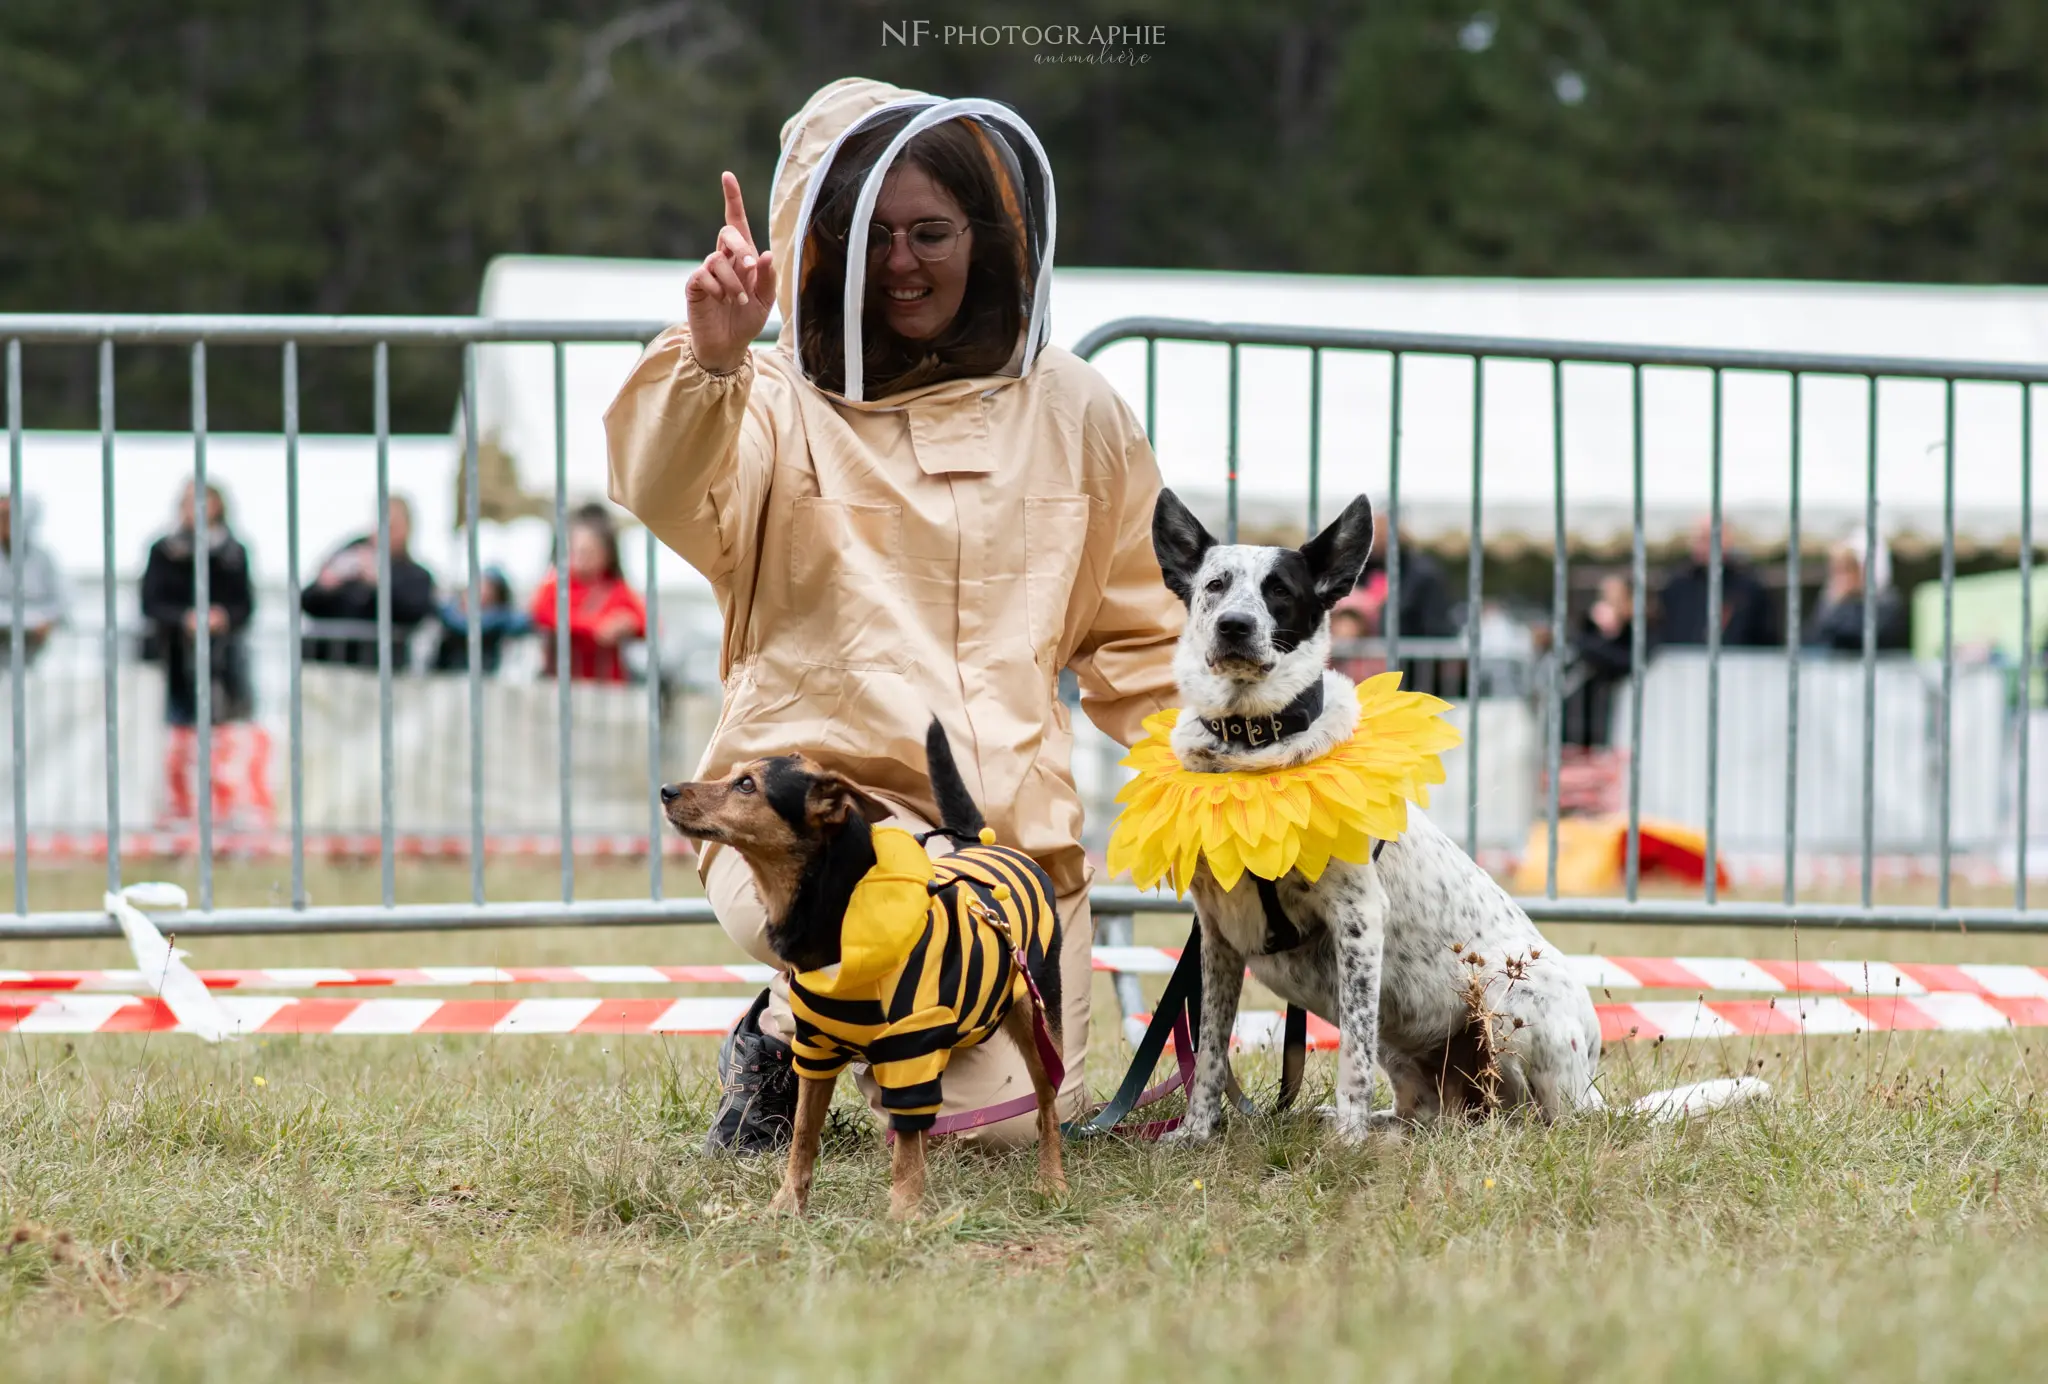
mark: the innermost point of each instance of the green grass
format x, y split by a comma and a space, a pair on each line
535, 1208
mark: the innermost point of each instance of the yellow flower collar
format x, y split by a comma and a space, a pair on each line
1272, 821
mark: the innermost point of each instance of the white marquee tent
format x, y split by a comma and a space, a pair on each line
517, 403
1517, 477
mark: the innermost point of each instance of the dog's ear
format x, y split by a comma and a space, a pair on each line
1178, 541
834, 798
1337, 555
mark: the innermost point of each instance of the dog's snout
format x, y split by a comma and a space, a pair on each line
1234, 628
671, 791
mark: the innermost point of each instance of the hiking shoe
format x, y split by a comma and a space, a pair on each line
757, 1110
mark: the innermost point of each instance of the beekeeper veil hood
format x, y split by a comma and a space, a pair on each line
811, 142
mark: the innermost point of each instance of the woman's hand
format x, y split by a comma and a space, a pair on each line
730, 293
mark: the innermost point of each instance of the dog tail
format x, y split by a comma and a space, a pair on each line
959, 818
1700, 1098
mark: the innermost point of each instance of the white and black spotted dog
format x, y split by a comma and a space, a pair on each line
1421, 960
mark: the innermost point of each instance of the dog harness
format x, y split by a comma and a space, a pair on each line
926, 966
1271, 822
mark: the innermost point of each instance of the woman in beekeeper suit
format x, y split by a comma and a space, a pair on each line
911, 506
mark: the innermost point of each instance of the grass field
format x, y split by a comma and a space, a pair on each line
535, 1208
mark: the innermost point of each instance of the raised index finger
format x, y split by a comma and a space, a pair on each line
735, 207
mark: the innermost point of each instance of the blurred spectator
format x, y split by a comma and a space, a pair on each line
346, 589
604, 612
1749, 617
1597, 663
502, 620
169, 599
1425, 608
1837, 622
44, 593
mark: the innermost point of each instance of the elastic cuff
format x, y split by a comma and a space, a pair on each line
738, 371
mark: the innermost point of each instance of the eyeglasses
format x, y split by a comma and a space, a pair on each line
931, 241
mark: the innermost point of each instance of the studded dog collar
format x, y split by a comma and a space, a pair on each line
1257, 732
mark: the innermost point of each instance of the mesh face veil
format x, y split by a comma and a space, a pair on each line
1023, 171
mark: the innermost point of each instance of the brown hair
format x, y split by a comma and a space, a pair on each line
982, 336
596, 518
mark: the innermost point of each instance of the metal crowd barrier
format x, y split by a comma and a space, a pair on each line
1115, 905
1398, 346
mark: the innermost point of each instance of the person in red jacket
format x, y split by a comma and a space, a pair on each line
604, 612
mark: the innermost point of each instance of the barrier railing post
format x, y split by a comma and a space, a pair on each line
1475, 575
1230, 520
1639, 575
1792, 659
1870, 646
202, 625
1714, 600
563, 757
2030, 658
111, 647
1948, 617
471, 519
387, 842
17, 639
654, 817
1390, 610
295, 650
1559, 637
1315, 439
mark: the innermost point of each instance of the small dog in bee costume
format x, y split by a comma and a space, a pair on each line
897, 960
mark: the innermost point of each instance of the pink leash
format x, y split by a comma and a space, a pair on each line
1056, 1072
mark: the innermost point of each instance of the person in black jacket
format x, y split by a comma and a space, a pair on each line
1749, 617
1837, 623
1597, 664
169, 600
346, 590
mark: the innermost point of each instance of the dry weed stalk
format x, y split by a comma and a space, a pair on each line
1490, 1024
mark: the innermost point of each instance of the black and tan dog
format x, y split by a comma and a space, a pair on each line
895, 959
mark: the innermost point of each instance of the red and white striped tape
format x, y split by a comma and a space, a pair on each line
182, 844
713, 1016
1766, 870
331, 977
1701, 974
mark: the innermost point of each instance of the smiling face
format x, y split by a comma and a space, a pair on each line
918, 298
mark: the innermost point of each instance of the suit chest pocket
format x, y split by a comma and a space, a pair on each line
845, 584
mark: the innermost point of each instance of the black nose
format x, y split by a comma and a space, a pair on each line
1235, 628
671, 791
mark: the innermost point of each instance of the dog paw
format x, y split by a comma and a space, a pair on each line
786, 1203
1188, 1136
1360, 1127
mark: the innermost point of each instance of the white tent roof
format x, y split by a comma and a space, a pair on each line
337, 474
1517, 479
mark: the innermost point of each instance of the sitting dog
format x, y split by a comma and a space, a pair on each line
1420, 959
896, 959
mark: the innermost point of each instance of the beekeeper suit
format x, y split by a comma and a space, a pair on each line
946, 550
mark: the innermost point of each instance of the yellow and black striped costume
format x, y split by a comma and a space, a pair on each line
921, 972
